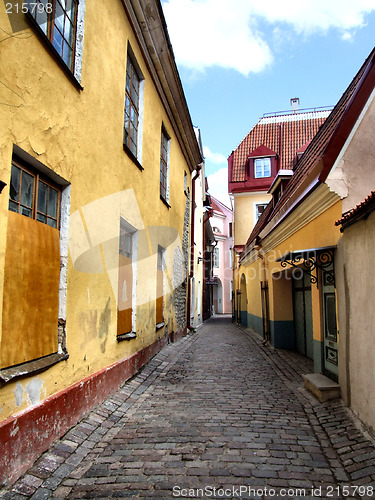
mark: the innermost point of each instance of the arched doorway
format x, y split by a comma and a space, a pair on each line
218, 297
243, 301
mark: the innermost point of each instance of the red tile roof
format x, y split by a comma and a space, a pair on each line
323, 144
284, 134
360, 211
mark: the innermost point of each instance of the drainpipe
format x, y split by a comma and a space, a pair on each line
208, 214
192, 231
258, 249
267, 332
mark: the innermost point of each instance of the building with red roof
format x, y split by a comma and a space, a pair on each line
266, 155
292, 277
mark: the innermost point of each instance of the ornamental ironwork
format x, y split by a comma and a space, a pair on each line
309, 261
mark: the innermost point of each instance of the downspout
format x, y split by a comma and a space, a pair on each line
258, 249
205, 219
192, 232
260, 255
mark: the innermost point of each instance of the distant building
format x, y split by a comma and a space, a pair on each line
264, 161
222, 225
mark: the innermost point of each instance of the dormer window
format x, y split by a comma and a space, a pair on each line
262, 167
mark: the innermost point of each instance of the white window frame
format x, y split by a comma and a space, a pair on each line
133, 60
165, 134
256, 204
264, 163
129, 228
216, 257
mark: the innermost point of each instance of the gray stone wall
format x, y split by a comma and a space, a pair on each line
180, 270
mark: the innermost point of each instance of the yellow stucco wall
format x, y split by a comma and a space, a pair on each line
319, 232
78, 134
244, 216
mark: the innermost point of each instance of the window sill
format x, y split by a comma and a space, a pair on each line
165, 201
51, 49
31, 367
160, 325
132, 157
126, 336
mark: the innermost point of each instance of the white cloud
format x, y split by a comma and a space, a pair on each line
215, 33
216, 158
227, 33
218, 185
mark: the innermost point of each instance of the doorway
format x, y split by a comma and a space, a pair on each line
330, 340
302, 313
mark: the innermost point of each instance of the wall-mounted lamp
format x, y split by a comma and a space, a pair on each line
2, 185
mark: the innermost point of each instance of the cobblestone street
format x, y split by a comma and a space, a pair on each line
215, 411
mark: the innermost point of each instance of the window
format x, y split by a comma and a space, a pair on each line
259, 209
216, 257
33, 196
131, 121
230, 229
262, 167
164, 165
35, 268
57, 19
185, 183
127, 275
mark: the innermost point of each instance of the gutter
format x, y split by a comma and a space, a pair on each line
192, 232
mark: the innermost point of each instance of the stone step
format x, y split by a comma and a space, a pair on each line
322, 387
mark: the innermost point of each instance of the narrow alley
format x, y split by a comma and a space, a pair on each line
214, 415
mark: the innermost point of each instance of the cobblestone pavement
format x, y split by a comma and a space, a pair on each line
215, 415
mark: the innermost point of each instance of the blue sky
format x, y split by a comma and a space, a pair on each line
239, 59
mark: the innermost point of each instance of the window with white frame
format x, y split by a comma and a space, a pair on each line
262, 167
133, 112
216, 257
259, 209
60, 21
164, 164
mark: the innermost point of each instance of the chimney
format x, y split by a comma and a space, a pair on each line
294, 102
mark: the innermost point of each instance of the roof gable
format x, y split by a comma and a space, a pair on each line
261, 151
282, 134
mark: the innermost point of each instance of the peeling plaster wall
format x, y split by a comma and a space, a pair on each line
355, 276
353, 175
78, 135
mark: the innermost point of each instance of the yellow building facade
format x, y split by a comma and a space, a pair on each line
97, 151
291, 286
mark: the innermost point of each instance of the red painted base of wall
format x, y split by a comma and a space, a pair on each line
25, 436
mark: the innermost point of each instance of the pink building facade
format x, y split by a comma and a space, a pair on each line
221, 223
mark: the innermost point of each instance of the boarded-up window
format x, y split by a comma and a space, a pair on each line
125, 278
32, 269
